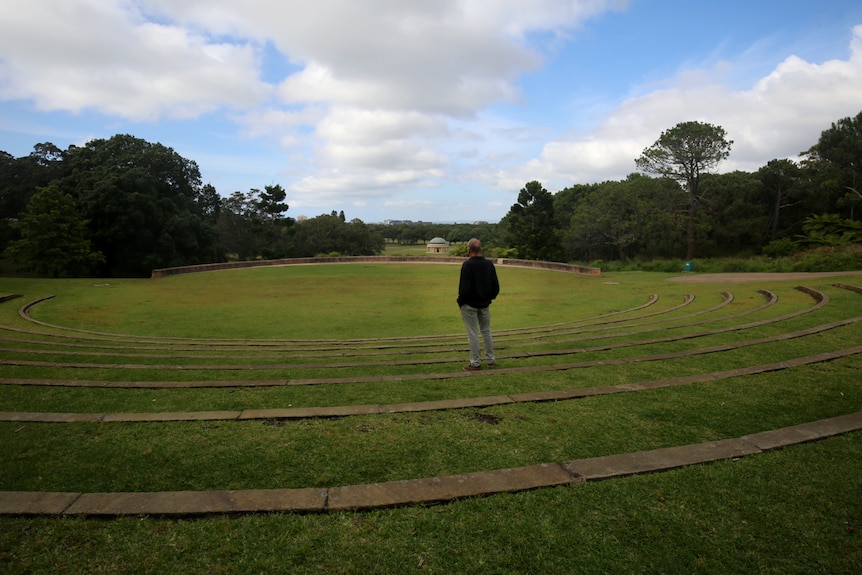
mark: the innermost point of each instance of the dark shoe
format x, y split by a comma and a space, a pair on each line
491, 366
472, 368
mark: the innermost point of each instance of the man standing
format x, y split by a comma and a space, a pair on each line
476, 290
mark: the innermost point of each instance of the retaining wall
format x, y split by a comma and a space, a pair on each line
164, 272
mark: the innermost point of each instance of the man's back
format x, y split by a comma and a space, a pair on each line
479, 284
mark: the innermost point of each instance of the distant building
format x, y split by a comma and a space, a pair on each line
405, 223
438, 246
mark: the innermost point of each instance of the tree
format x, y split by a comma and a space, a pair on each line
271, 202
566, 199
837, 160
612, 218
616, 219
21, 177
780, 179
733, 218
685, 153
209, 203
830, 230
54, 236
9, 206
145, 205
46, 155
250, 225
234, 227
531, 225
329, 234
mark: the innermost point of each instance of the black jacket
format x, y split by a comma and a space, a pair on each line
479, 284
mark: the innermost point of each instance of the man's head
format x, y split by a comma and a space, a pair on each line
474, 246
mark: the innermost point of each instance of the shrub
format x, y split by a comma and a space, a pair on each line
779, 248
829, 259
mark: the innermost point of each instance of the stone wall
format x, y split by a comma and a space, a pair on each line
557, 266
165, 272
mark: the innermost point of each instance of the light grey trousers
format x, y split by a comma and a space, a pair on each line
478, 321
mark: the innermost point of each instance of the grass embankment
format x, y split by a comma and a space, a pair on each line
793, 511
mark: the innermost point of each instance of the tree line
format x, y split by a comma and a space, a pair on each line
678, 207
124, 206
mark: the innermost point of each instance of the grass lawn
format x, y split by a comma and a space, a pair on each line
796, 510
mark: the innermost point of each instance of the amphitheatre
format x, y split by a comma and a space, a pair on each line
589, 352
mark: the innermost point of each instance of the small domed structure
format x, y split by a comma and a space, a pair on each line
438, 246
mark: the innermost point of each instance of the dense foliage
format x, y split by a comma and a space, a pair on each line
531, 224
142, 206
687, 153
53, 235
782, 208
124, 206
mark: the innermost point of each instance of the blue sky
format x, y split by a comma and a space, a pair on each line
433, 110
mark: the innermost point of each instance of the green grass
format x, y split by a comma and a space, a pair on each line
727, 517
797, 510
309, 302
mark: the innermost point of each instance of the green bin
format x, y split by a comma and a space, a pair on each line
689, 267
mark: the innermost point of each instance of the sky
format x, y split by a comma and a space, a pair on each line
425, 110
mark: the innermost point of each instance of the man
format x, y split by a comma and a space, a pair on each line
476, 290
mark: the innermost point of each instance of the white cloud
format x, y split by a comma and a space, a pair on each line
387, 157
270, 122
372, 86
357, 187
380, 99
104, 56
441, 56
779, 116
367, 127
